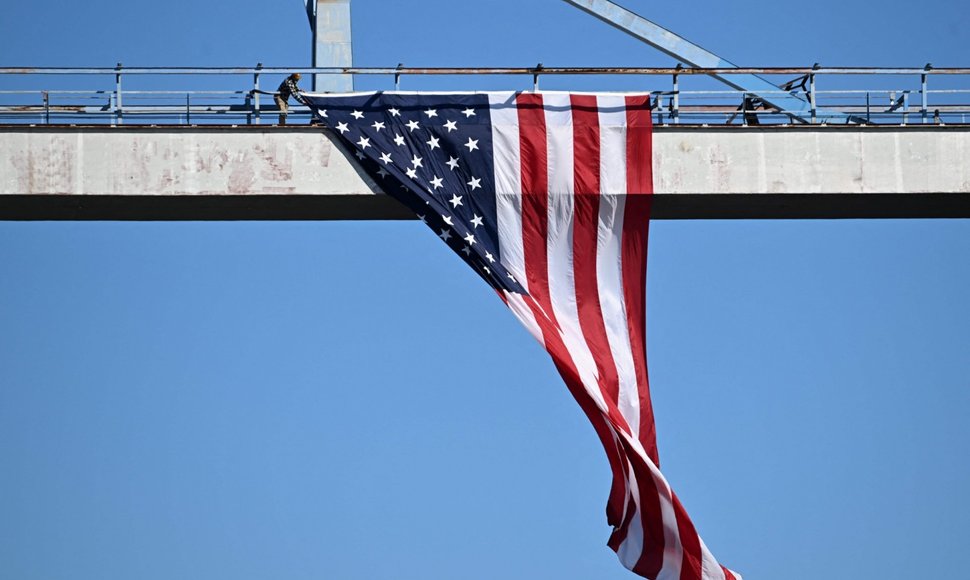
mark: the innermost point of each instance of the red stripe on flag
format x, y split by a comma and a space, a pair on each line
639, 144
586, 185
692, 563
535, 189
636, 225
651, 517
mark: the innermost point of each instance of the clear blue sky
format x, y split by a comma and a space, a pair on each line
347, 400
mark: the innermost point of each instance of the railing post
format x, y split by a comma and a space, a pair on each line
744, 109
535, 77
259, 66
905, 107
397, 77
119, 111
811, 95
924, 99
47, 108
675, 100
188, 110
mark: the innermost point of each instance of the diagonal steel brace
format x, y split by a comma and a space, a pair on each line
787, 101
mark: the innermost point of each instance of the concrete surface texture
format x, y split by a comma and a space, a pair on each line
702, 168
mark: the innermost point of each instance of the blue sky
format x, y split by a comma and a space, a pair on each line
344, 400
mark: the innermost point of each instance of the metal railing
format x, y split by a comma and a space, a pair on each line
896, 96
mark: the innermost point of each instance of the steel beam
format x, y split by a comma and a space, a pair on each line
686, 51
332, 45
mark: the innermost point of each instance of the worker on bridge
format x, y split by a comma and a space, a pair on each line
286, 89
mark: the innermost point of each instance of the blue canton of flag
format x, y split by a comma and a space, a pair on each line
433, 153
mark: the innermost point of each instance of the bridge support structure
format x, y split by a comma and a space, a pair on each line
332, 45
297, 172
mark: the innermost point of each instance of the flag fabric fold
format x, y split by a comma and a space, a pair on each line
547, 196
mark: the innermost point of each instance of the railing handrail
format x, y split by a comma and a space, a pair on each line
797, 102
540, 70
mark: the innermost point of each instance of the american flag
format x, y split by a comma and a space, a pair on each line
547, 197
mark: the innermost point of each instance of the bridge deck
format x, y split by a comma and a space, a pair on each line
296, 172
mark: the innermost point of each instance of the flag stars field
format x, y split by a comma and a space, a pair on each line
429, 145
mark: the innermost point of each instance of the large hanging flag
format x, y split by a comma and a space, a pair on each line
547, 196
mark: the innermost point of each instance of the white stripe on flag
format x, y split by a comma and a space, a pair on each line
508, 201
559, 241
632, 547
508, 182
609, 269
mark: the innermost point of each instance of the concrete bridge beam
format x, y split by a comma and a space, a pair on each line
231, 173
